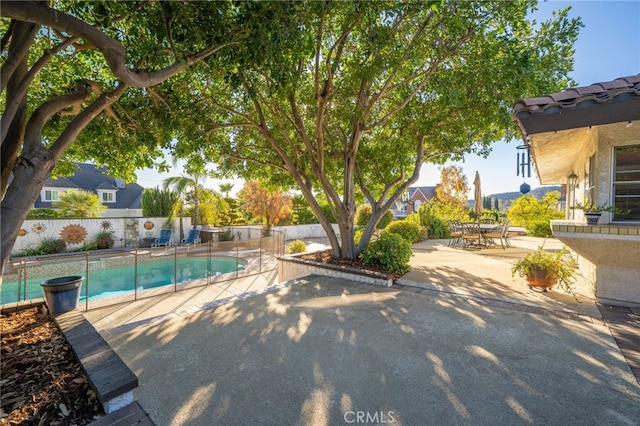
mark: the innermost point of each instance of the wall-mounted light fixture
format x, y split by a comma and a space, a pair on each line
573, 180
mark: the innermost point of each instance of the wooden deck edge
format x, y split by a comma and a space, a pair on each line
108, 375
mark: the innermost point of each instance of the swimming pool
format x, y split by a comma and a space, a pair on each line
103, 283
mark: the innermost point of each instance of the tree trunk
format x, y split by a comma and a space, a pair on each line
29, 176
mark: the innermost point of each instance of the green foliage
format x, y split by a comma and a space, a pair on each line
437, 227
48, 245
42, 213
552, 263
408, 230
79, 203
51, 245
326, 212
493, 215
157, 202
390, 251
593, 207
302, 213
539, 228
297, 246
226, 235
104, 240
232, 215
529, 212
363, 215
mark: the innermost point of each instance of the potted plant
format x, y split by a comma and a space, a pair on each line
545, 269
104, 240
593, 211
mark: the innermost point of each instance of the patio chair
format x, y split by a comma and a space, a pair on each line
455, 231
192, 238
501, 233
165, 239
472, 235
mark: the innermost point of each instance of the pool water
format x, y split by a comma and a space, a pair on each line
121, 280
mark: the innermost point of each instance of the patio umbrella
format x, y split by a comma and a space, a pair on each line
477, 195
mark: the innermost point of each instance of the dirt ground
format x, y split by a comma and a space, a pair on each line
42, 383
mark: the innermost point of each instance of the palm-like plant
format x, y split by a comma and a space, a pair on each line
79, 203
226, 188
188, 190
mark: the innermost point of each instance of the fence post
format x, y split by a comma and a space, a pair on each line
135, 277
175, 268
22, 272
86, 281
209, 260
260, 256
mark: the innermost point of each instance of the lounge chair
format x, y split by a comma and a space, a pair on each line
192, 238
165, 239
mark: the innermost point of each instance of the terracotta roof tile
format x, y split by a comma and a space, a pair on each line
607, 89
616, 100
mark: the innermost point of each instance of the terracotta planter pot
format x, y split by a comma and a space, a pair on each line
540, 279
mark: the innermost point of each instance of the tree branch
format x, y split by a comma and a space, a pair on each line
21, 35
114, 53
21, 90
70, 133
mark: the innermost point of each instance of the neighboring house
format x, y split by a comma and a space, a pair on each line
589, 139
412, 200
121, 199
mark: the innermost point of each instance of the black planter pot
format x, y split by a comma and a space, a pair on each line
62, 294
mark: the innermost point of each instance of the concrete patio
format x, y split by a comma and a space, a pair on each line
446, 345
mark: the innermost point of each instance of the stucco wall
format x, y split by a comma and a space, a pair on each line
300, 232
126, 231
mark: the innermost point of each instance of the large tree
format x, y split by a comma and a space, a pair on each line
270, 206
77, 83
454, 187
354, 97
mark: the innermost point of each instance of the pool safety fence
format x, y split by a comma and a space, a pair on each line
120, 275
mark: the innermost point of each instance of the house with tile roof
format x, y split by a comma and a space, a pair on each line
121, 199
588, 138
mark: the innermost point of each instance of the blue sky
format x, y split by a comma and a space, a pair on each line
608, 47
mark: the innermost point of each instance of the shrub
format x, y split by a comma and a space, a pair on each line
53, 245
48, 245
42, 213
410, 231
226, 235
297, 246
437, 228
539, 228
363, 214
390, 251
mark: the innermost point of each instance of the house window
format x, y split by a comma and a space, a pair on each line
51, 195
108, 197
626, 182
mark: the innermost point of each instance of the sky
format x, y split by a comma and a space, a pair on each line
608, 47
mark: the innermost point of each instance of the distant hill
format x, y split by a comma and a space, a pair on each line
536, 192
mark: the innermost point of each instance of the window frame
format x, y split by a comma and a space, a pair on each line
614, 181
51, 192
108, 197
